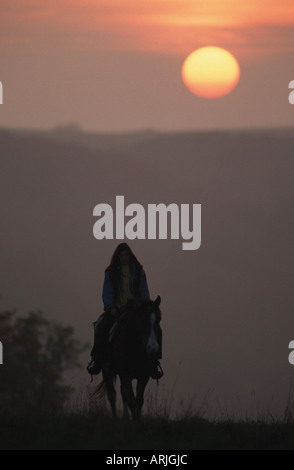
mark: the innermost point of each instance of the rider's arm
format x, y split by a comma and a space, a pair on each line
144, 289
108, 293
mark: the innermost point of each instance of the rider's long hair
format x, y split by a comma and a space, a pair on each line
115, 263
114, 271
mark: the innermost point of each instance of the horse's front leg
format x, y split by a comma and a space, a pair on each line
141, 385
128, 395
111, 392
125, 402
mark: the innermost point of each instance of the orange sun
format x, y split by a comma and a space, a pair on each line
211, 72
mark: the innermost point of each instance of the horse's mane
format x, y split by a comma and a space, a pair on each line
148, 303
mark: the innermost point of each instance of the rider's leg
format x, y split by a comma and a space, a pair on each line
99, 351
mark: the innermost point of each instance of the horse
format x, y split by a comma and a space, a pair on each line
132, 354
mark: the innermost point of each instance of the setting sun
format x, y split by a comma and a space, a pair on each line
211, 72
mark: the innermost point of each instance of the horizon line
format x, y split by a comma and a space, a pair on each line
75, 128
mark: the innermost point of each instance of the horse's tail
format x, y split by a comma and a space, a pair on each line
101, 390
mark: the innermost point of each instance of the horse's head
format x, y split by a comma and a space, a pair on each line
147, 318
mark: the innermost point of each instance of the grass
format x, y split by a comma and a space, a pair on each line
88, 425
97, 430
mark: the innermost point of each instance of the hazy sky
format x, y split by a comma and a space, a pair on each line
227, 308
116, 65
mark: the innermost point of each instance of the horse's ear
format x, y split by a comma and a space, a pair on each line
157, 302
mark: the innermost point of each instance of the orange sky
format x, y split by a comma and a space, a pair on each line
173, 27
116, 64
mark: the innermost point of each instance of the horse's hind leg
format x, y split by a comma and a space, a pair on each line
111, 392
125, 403
128, 394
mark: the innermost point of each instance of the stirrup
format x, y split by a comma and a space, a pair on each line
93, 368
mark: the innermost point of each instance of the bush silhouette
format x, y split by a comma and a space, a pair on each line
36, 354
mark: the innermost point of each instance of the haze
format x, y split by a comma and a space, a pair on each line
227, 308
79, 78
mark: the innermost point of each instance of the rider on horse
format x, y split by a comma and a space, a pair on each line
125, 282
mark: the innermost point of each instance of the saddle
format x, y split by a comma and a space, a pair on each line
123, 312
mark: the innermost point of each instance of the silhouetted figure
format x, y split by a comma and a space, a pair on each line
125, 286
